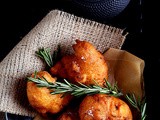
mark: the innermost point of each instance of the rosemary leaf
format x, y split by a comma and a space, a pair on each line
143, 109
44, 53
83, 85
140, 105
130, 100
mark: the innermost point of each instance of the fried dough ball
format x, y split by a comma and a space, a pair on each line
86, 65
104, 107
42, 100
69, 114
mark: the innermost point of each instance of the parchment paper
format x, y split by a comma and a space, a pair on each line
126, 70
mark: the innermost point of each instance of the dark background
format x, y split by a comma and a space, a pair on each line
17, 19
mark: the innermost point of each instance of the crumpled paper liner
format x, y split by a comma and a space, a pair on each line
126, 70
56, 27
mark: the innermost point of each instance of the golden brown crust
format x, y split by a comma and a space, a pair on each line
87, 65
104, 107
42, 100
70, 114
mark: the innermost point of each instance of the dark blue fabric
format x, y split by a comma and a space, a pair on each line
103, 9
16, 117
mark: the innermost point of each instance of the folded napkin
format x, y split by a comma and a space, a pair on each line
57, 27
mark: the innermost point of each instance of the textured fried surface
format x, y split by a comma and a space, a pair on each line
104, 107
69, 114
42, 100
86, 65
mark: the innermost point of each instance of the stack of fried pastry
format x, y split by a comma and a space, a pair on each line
86, 66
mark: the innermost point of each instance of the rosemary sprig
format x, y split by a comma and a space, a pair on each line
44, 53
139, 104
75, 90
81, 89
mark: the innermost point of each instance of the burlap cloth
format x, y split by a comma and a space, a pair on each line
56, 27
